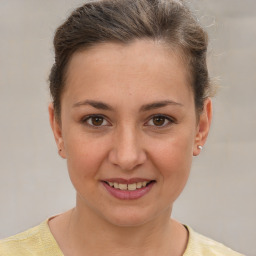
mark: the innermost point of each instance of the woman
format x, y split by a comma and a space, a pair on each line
130, 109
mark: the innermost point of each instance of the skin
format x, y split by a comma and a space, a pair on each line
127, 144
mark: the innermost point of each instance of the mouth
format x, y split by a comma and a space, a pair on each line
130, 187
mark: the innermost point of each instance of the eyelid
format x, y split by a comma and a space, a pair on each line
86, 118
171, 121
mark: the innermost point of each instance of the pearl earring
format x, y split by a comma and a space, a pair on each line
200, 147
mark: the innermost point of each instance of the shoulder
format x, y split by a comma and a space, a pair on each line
200, 245
36, 241
20, 244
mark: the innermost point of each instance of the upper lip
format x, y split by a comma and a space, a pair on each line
127, 181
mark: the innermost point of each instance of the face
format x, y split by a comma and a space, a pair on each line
128, 130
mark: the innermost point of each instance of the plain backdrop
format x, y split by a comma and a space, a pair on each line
219, 200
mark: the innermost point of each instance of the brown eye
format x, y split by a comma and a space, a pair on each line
159, 120
97, 121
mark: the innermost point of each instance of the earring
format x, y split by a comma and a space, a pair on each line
200, 147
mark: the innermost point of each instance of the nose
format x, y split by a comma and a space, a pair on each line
127, 152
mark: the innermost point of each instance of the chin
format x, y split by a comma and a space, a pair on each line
129, 221
130, 217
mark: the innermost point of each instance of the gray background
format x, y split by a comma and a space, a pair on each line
219, 200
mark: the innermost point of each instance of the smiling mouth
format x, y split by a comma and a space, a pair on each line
129, 187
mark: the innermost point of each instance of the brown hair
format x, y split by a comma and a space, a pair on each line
124, 21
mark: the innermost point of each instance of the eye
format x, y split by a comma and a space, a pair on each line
160, 121
95, 121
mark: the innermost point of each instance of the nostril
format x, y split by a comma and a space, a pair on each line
127, 159
127, 151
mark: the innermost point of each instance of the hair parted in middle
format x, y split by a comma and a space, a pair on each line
123, 21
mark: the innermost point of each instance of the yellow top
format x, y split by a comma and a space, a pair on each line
39, 241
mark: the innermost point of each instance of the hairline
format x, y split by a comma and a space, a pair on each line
173, 48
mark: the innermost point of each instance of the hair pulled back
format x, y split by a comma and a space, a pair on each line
123, 21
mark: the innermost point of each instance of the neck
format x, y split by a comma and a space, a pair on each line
109, 236
87, 232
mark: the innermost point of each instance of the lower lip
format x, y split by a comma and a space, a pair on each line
128, 194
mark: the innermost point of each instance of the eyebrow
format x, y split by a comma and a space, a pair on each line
95, 104
159, 104
147, 107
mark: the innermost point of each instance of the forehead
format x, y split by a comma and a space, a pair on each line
144, 64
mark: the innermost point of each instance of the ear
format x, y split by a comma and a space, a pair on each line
57, 132
203, 126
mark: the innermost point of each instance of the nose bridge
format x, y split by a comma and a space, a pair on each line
127, 151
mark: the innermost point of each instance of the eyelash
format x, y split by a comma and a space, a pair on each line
167, 119
87, 118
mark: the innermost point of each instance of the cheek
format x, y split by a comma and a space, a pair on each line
173, 163
173, 159
84, 157
175, 152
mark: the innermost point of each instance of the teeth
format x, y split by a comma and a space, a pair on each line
123, 186
130, 187
139, 185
